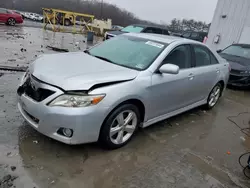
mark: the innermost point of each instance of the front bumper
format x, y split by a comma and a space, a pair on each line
85, 122
19, 21
239, 80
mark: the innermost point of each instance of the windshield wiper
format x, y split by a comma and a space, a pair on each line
99, 57
232, 55
104, 58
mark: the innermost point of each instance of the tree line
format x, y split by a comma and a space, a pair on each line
101, 10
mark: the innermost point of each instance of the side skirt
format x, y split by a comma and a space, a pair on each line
176, 112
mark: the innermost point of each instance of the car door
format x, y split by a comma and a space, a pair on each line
171, 92
206, 71
2, 15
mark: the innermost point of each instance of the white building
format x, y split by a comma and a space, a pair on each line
230, 24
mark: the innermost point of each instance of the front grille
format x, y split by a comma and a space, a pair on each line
239, 79
235, 78
37, 94
235, 72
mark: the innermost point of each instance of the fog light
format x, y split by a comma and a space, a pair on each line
65, 132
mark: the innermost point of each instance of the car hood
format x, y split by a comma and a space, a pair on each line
78, 71
237, 63
116, 32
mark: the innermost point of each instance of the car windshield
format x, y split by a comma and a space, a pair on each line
132, 52
236, 50
132, 29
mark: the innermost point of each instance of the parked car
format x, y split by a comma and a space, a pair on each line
136, 29
238, 55
33, 16
194, 35
9, 17
106, 93
38, 18
117, 27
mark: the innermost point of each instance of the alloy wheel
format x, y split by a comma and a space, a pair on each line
123, 127
214, 96
12, 21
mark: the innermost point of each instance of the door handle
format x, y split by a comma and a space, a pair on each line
217, 71
191, 76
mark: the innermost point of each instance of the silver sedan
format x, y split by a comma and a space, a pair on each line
105, 93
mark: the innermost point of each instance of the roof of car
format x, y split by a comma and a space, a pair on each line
144, 26
161, 38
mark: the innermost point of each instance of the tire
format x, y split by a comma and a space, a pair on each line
11, 21
214, 95
119, 136
67, 22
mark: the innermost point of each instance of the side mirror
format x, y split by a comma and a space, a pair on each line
219, 51
169, 69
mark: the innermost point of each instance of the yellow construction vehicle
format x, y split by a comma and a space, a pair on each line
56, 17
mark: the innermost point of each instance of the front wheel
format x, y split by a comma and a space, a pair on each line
120, 126
11, 21
214, 96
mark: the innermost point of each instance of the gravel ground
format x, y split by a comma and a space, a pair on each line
195, 149
22, 45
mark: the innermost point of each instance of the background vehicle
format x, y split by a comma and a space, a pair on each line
10, 17
158, 77
137, 29
37, 17
238, 55
33, 16
117, 27
61, 18
194, 35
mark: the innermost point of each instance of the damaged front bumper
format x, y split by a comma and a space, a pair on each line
239, 80
33, 105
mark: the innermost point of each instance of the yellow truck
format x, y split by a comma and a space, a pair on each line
57, 17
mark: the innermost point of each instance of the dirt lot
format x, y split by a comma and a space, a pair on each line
196, 149
21, 45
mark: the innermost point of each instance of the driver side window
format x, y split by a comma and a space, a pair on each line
180, 56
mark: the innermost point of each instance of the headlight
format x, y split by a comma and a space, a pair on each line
24, 78
77, 100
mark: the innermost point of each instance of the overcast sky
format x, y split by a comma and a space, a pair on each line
166, 10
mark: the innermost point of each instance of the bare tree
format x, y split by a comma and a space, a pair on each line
177, 25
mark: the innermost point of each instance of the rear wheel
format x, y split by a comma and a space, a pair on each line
214, 96
11, 21
119, 127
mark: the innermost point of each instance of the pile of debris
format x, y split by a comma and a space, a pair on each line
7, 181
